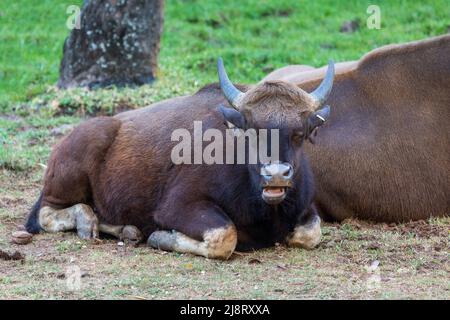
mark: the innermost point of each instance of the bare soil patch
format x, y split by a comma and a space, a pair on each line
355, 260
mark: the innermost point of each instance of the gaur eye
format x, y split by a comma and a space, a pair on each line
298, 136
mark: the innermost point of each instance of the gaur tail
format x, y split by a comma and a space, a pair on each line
32, 224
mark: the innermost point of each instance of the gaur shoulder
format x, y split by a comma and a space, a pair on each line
105, 123
102, 127
167, 104
199, 104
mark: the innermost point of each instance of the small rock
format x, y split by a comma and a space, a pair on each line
349, 26
120, 243
21, 237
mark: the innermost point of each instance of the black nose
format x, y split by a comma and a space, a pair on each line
277, 174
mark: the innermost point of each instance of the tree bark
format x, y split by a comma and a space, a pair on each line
117, 44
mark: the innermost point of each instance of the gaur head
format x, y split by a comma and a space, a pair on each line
283, 106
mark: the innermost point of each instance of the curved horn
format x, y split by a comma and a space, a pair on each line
229, 90
321, 94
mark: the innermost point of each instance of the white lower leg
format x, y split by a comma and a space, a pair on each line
306, 236
80, 217
112, 230
217, 243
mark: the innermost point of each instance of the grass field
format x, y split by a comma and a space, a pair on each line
413, 263
253, 37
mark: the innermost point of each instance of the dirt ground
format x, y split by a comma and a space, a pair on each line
355, 260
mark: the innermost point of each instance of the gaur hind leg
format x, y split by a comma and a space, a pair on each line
82, 218
67, 182
307, 232
201, 229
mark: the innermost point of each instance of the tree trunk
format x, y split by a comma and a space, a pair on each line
117, 44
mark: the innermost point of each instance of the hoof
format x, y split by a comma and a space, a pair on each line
88, 234
306, 236
162, 240
131, 233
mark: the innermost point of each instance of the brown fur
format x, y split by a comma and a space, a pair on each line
277, 102
384, 155
121, 167
277, 95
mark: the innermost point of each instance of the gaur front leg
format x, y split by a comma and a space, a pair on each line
80, 217
204, 229
307, 232
122, 232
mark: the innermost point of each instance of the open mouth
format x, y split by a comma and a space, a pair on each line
273, 195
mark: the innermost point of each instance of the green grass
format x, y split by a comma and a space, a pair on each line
31, 38
253, 37
25, 142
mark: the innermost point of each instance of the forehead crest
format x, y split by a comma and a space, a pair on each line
278, 94
277, 101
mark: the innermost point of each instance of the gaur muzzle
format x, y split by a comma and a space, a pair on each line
276, 178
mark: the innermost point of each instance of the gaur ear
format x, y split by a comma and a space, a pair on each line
317, 119
233, 116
